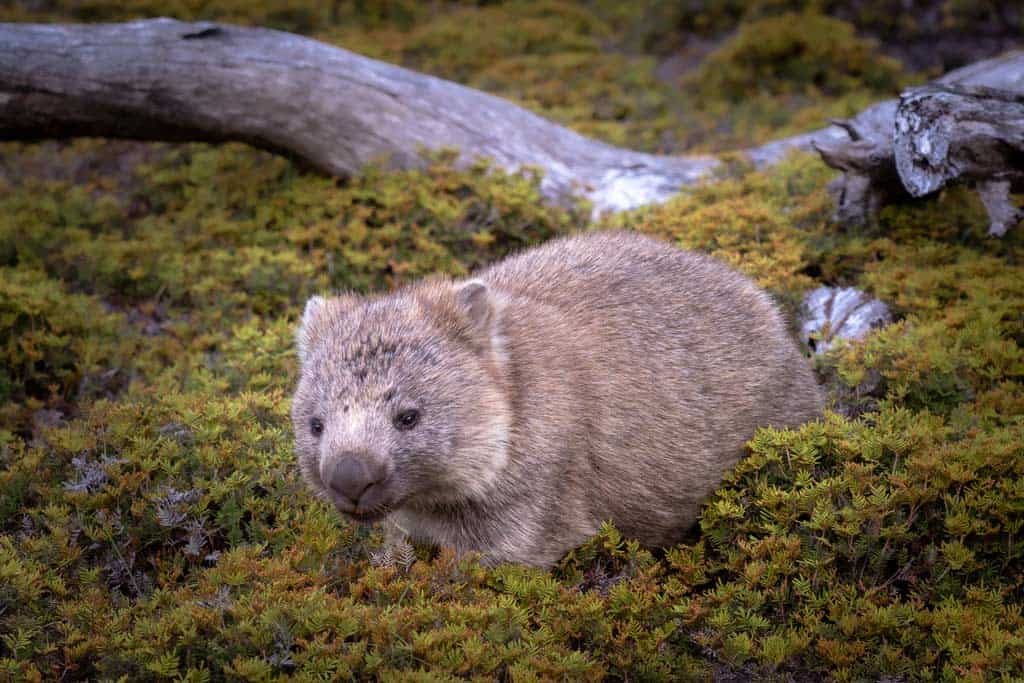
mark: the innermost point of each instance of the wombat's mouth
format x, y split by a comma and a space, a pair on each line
365, 514
368, 517
374, 504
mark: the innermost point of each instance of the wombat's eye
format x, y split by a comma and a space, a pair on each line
316, 425
407, 419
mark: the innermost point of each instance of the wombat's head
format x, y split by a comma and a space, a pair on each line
401, 400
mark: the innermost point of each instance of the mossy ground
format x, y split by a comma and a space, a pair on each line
152, 524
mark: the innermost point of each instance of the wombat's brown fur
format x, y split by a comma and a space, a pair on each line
606, 376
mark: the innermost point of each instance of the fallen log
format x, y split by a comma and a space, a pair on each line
161, 79
166, 80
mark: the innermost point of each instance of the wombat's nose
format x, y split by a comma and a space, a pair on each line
352, 477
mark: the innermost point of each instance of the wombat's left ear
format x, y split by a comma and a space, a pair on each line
309, 327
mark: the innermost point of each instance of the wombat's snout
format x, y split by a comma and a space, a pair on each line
357, 482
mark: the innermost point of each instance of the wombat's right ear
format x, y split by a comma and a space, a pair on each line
480, 311
309, 328
475, 303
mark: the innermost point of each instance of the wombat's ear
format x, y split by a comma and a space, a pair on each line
309, 328
478, 308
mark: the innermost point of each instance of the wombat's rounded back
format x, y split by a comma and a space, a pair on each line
665, 364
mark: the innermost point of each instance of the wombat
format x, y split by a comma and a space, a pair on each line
605, 376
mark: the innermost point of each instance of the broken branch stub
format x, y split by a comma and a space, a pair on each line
975, 134
974, 111
869, 177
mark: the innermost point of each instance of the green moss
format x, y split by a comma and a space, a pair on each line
795, 53
787, 74
547, 56
49, 339
166, 526
869, 534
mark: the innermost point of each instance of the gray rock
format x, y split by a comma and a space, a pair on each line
833, 313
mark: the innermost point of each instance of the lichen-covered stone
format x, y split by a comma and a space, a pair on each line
834, 313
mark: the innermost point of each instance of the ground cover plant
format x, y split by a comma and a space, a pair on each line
152, 522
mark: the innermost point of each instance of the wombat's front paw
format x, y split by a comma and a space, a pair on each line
396, 550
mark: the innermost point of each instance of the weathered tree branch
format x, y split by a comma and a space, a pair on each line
162, 79
968, 125
946, 133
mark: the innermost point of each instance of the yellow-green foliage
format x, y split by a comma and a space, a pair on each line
153, 526
795, 53
548, 56
788, 73
42, 328
894, 20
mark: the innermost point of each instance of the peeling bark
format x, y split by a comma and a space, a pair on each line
974, 134
968, 126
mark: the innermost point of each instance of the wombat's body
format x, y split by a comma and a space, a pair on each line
601, 377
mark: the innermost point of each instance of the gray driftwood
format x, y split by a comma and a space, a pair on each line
967, 125
161, 79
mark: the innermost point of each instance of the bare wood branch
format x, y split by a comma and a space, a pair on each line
946, 133
968, 125
1003, 214
162, 79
